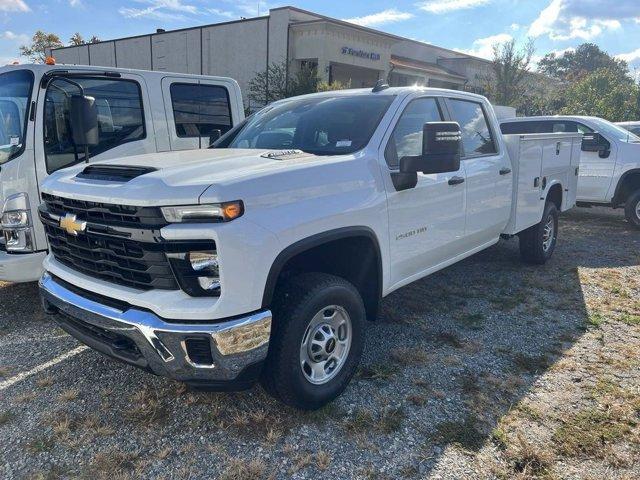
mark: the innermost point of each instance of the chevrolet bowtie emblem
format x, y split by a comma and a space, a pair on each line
72, 225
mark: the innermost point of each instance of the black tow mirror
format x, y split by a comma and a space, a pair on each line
441, 146
595, 142
83, 117
215, 135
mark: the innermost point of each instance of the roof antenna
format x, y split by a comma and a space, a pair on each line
380, 86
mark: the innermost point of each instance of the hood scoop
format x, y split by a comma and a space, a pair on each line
113, 173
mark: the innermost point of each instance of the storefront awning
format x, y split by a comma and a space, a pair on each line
424, 68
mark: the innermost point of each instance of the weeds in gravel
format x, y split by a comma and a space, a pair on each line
464, 434
44, 382
591, 432
390, 420
40, 444
449, 338
241, 469
363, 421
4, 372
528, 461
472, 320
25, 397
378, 371
531, 364
499, 438
410, 356
595, 319
146, 410
69, 395
113, 462
5, 417
323, 460
629, 319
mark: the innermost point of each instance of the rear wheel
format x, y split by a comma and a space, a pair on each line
632, 209
538, 243
316, 342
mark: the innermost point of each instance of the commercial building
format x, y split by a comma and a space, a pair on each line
341, 51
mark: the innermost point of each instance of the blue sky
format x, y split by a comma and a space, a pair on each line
468, 25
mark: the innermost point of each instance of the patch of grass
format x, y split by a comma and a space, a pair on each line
509, 300
6, 416
324, 414
362, 422
449, 338
40, 444
241, 469
114, 462
417, 399
5, 372
378, 371
69, 395
629, 319
390, 420
529, 461
25, 397
410, 356
44, 382
531, 364
499, 438
469, 384
595, 319
472, 320
146, 409
590, 432
464, 434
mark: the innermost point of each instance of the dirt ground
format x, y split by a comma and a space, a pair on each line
488, 369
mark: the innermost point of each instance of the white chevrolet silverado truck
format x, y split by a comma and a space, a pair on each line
266, 256
609, 163
133, 112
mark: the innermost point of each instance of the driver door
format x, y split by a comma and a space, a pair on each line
427, 222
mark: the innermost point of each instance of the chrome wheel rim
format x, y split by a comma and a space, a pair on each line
548, 236
325, 344
638, 210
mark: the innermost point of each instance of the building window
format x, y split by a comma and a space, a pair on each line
120, 118
198, 109
477, 138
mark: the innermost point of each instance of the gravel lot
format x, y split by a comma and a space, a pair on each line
489, 369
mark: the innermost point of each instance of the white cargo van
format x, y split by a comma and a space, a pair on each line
134, 112
265, 256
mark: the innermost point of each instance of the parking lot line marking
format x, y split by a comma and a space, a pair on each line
24, 375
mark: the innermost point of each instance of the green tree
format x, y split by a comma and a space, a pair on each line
509, 70
574, 65
605, 93
275, 83
40, 46
94, 39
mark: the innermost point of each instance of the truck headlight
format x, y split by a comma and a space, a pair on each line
16, 224
219, 212
198, 272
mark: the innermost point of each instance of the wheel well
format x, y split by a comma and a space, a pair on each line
628, 184
555, 195
356, 258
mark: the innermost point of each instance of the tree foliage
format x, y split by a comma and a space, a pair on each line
277, 83
604, 93
41, 43
574, 65
510, 68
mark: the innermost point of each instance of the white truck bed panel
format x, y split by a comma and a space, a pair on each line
540, 161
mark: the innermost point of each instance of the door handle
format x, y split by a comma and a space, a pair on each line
456, 180
505, 171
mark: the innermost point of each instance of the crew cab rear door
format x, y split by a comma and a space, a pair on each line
425, 222
198, 110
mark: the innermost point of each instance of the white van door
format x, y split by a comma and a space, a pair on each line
198, 111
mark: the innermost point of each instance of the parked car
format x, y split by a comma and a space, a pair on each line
265, 256
633, 127
609, 163
134, 112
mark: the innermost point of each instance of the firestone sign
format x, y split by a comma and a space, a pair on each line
360, 53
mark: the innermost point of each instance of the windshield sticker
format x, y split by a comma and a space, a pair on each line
343, 143
14, 141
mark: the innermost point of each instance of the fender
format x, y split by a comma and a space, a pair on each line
550, 185
314, 241
615, 199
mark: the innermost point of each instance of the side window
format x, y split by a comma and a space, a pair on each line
406, 139
583, 128
120, 118
477, 138
200, 109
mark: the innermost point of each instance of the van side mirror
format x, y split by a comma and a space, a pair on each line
441, 146
83, 116
595, 142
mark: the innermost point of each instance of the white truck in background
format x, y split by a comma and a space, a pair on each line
264, 257
609, 162
134, 112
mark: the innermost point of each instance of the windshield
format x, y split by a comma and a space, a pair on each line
15, 91
320, 125
611, 130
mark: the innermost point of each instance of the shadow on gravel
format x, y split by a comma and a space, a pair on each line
449, 357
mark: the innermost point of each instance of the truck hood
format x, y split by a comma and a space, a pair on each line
178, 178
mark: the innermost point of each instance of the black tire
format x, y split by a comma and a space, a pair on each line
532, 241
632, 210
295, 304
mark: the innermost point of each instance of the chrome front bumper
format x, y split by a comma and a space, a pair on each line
141, 338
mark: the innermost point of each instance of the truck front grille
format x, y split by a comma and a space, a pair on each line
121, 215
134, 264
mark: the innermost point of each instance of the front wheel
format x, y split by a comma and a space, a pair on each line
537, 243
316, 342
632, 209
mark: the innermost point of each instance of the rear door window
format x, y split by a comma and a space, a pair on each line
199, 109
120, 117
477, 137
